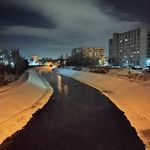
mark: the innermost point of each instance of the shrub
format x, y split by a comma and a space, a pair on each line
102, 70
77, 68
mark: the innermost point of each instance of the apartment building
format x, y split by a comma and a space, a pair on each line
9, 57
130, 48
81, 55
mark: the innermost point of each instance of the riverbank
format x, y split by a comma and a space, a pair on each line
17, 104
131, 97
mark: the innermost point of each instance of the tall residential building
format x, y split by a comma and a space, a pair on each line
130, 48
9, 57
81, 55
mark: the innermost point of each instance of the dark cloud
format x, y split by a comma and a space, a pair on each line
11, 15
53, 27
130, 10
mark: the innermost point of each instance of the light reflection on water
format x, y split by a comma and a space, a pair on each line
62, 88
66, 89
59, 85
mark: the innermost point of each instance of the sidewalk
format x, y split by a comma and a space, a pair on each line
18, 103
133, 98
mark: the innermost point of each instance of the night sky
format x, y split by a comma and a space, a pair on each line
50, 28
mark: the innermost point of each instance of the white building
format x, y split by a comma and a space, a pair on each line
130, 48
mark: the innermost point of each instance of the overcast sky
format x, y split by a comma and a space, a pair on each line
50, 28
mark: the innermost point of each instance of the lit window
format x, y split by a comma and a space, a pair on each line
126, 40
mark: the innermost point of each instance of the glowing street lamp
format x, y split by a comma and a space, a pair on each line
148, 62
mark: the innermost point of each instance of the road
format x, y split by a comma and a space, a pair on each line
78, 117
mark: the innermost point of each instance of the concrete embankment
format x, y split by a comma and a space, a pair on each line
131, 97
19, 103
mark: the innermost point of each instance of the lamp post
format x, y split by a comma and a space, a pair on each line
127, 63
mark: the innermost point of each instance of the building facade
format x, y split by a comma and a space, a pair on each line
130, 48
84, 56
9, 57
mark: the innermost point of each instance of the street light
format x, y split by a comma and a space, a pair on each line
148, 62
